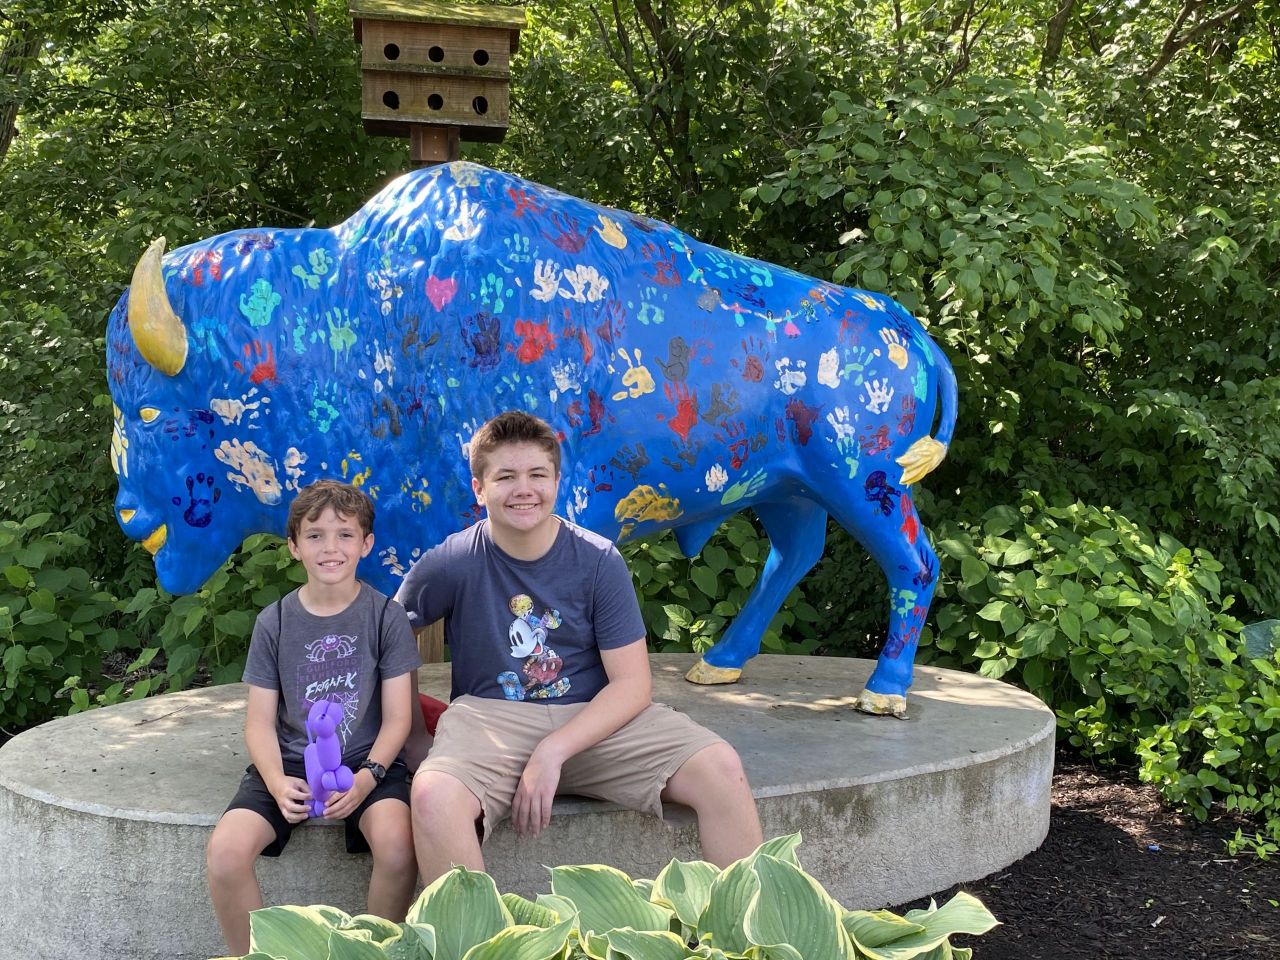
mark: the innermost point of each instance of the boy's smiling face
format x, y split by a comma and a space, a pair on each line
330, 547
518, 490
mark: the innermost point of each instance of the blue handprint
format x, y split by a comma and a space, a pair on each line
199, 510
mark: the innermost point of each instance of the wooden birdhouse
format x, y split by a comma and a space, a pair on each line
436, 72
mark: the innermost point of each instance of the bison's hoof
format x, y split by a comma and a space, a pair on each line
704, 673
883, 704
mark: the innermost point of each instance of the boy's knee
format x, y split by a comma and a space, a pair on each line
225, 856
719, 765
437, 799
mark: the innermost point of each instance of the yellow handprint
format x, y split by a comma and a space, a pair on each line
636, 379
611, 233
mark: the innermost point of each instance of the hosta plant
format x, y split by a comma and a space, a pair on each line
763, 907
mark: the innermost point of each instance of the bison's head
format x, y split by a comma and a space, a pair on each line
192, 482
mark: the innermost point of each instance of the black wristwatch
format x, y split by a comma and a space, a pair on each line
378, 770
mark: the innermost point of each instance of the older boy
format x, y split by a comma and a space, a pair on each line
333, 637
551, 683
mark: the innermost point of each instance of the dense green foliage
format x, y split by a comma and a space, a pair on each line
763, 907
1081, 200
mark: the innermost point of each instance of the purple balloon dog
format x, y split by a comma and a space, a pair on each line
322, 757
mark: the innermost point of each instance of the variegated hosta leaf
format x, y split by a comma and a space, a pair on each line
628, 944
593, 945
464, 908
562, 907
409, 944
781, 848
791, 908
962, 914
685, 888
871, 928
606, 899
644, 887
525, 942
527, 912
353, 945
292, 933
731, 894
379, 929
425, 934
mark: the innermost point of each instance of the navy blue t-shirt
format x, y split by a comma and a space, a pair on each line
526, 629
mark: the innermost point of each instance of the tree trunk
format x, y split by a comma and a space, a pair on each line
20, 48
1054, 38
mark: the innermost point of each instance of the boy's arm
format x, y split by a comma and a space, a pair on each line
290, 793
396, 721
628, 692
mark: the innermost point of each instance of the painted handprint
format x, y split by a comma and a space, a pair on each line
716, 478
745, 488
546, 274
319, 263
258, 362
907, 420
790, 379
637, 379
246, 408
829, 368
676, 366
734, 436
518, 252
537, 339
630, 461
250, 467
878, 396
323, 411
802, 418
611, 233
686, 417
482, 334
586, 283
724, 403
525, 201
466, 223
567, 236
567, 376
494, 292
755, 356
857, 364
897, 348
260, 304
201, 496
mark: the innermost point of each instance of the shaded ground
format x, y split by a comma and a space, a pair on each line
1119, 876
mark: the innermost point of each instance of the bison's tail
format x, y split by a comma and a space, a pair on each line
923, 456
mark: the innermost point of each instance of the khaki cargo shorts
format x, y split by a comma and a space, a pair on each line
486, 743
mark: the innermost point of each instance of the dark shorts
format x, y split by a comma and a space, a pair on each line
254, 795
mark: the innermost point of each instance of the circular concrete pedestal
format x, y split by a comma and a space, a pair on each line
104, 816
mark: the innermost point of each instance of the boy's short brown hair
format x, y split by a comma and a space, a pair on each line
345, 500
514, 426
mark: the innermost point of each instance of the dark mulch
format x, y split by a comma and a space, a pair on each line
1121, 875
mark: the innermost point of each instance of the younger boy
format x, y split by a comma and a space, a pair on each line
337, 638
551, 682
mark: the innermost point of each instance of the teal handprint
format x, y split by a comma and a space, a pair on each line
323, 412
260, 304
745, 488
320, 262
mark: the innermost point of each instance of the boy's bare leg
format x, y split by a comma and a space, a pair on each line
714, 784
235, 844
444, 825
386, 826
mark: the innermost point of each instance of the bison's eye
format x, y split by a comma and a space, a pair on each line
148, 414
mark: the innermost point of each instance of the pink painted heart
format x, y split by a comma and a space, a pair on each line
440, 292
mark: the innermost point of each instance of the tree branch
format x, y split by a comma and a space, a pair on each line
1175, 40
1056, 34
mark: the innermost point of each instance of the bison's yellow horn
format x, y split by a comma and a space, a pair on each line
158, 332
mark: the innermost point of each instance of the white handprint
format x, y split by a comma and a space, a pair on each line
467, 225
841, 424
716, 478
790, 379
829, 369
547, 276
879, 396
588, 285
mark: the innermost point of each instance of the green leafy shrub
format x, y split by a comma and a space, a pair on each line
687, 603
1124, 633
56, 621
763, 907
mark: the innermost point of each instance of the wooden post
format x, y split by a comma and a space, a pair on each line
431, 145
431, 642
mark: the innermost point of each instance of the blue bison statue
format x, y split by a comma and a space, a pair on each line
687, 383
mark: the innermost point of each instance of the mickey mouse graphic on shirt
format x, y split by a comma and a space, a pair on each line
539, 677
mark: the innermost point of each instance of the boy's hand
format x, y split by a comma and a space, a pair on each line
292, 796
342, 805
531, 807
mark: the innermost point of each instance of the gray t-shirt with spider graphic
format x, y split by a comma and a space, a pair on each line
344, 657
